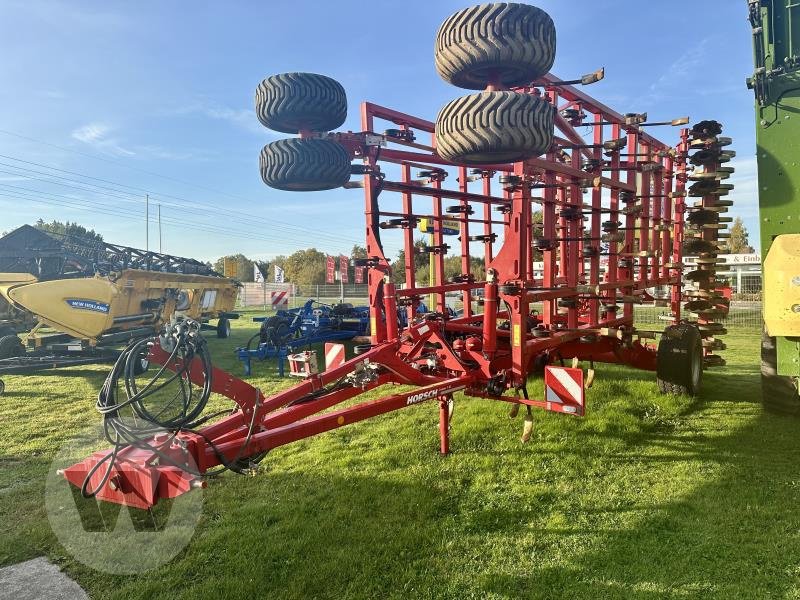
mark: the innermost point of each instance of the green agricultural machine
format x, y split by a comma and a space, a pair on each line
776, 83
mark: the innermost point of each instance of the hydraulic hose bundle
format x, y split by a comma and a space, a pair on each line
149, 412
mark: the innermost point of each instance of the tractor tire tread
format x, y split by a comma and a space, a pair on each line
289, 102
494, 127
679, 347
297, 164
515, 43
223, 328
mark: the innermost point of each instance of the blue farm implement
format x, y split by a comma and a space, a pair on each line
313, 323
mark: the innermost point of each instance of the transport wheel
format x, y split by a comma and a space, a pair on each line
679, 369
275, 332
779, 393
11, 346
494, 127
304, 165
223, 328
290, 102
506, 43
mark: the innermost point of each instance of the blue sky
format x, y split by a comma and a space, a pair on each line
156, 97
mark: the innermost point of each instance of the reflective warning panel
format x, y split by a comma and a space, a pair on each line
563, 388
334, 355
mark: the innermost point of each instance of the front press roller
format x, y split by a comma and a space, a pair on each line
304, 165
679, 366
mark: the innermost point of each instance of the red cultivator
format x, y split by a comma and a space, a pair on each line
610, 237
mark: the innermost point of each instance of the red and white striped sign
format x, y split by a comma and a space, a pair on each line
279, 300
334, 355
563, 387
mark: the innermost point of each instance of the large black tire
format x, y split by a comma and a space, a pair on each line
275, 332
506, 43
679, 369
779, 393
304, 165
494, 127
11, 346
290, 102
223, 328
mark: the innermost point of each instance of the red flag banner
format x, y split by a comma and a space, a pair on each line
330, 269
344, 263
359, 274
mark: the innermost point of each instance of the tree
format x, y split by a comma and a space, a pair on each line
358, 252
244, 266
537, 218
305, 267
738, 242
72, 230
420, 260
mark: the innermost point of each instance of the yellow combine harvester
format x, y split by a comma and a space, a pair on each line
87, 298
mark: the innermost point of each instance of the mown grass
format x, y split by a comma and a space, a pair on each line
646, 497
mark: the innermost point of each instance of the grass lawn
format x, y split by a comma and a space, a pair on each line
646, 497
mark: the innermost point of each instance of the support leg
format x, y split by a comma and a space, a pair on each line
444, 426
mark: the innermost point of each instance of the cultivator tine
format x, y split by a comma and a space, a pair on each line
589, 381
527, 426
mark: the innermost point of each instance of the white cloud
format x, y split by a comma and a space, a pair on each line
91, 133
242, 118
677, 73
97, 135
101, 137
159, 152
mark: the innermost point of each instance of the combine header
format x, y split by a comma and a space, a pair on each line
82, 299
613, 233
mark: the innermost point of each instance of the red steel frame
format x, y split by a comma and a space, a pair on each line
439, 354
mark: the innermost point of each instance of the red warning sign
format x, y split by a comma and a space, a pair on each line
564, 390
334, 355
